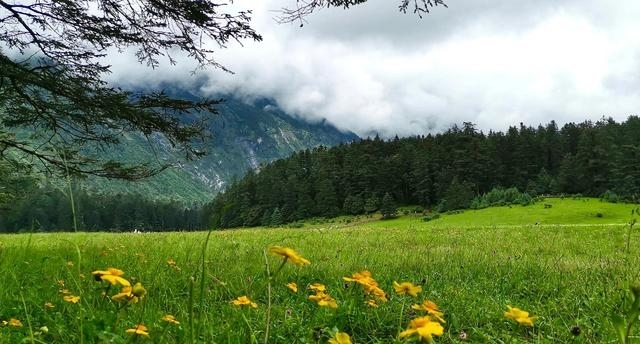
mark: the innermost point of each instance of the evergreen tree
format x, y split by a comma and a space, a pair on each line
458, 196
388, 207
353, 204
371, 204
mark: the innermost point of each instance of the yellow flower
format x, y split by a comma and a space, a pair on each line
520, 316
362, 277
340, 338
431, 308
71, 298
324, 300
372, 303
49, 305
170, 319
293, 286
244, 301
424, 327
130, 294
139, 330
124, 295
172, 263
317, 287
407, 288
13, 322
111, 275
289, 254
69, 263
369, 284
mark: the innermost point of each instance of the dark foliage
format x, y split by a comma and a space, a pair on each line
48, 209
445, 171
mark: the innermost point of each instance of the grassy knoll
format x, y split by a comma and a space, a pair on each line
567, 275
551, 211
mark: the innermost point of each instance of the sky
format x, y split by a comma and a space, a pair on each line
372, 69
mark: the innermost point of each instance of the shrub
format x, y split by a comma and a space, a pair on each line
610, 196
431, 217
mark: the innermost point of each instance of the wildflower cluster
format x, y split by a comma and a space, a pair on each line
370, 286
321, 297
244, 301
425, 323
425, 327
128, 294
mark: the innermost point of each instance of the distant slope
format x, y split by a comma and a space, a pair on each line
243, 136
551, 211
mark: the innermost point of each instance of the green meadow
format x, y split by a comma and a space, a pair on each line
572, 271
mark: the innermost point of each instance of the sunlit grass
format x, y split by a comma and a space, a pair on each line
566, 276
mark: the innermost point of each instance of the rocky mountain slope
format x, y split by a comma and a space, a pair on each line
242, 136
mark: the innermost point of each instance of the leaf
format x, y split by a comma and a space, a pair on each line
619, 324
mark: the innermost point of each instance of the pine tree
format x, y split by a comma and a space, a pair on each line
388, 207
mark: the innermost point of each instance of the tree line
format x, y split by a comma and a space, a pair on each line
49, 208
444, 171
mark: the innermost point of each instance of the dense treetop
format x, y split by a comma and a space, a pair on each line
442, 171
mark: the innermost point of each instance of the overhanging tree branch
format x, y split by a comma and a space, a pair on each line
51, 77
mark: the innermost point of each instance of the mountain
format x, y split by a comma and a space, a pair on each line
242, 136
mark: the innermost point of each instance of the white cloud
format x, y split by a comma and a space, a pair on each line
494, 63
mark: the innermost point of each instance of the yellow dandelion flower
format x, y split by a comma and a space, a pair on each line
13, 322
111, 275
324, 300
139, 330
424, 327
340, 338
318, 287
69, 263
71, 298
369, 284
407, 288
362, 277
293, 286
170, 319
289, 254
520, 316
431, 308
64, 291
244, 301
130, 294
60, 282
124, 294
49, 305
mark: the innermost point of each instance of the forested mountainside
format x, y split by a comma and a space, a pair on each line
444, 171
242, 136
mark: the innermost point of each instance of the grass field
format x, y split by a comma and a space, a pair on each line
471, 264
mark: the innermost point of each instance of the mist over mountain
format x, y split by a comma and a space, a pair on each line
241, 137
